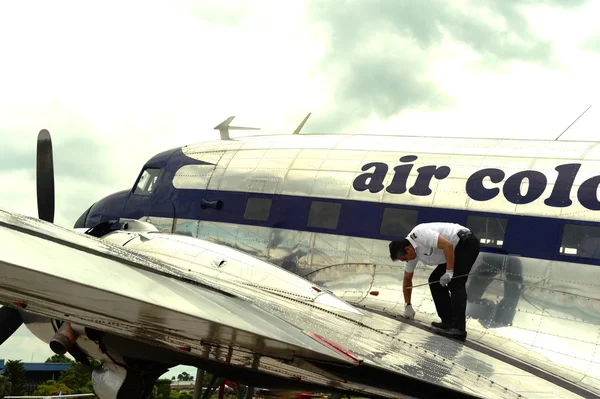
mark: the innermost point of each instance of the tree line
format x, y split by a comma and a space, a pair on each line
78, 379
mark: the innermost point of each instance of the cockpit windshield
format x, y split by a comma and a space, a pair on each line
147, 181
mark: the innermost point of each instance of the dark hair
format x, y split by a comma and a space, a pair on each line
398, 248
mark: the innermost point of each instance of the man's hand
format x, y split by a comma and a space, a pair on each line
409, 312
446, 278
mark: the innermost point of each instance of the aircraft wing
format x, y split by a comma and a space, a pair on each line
64, 275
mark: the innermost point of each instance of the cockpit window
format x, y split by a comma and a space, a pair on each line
147, 181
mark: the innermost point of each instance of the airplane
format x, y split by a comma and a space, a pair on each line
285, 235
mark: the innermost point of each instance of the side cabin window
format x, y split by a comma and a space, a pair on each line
581, 241
490, 230
398, 222
257, 209
147, 182
324, 214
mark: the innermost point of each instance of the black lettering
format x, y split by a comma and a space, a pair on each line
372, 181
398, 184
421, 186
512, 187
588, 193
559, 197
475, 188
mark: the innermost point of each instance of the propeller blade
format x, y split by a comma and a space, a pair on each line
45, 177
10, 321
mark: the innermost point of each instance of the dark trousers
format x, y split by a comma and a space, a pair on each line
451, 300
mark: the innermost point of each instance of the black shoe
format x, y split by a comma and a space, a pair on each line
454, 333
441, 326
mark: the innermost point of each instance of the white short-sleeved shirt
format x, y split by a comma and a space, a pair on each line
424, 238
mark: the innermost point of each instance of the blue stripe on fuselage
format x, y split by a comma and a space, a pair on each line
526, 236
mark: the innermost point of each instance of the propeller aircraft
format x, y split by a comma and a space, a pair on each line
263, 261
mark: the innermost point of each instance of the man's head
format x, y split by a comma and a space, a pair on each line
402, 250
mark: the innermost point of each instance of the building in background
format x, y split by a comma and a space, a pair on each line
38, 373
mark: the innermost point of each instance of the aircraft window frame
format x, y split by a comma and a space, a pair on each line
488, 236
146, 187
322, 214
398, 222
577, 234
255, 209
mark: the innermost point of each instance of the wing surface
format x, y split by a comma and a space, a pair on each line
62, 274
37, 269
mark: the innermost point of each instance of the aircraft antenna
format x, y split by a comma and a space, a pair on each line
301, 125
573, 122
224, 128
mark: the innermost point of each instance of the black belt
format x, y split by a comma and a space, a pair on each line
464, 234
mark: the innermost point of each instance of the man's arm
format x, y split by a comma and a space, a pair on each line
407, 282
409, 312
448, 249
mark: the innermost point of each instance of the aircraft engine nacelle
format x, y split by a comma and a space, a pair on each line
39, 326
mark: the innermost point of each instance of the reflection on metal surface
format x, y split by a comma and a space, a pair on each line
546, 313
108, 380
167, 291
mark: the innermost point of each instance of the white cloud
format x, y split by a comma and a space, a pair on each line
515, 99
133, 79
24, 346
144, 66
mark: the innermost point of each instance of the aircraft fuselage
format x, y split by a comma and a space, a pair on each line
309, 202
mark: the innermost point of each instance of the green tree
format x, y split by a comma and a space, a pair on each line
207, 378
185, 377
51, 387
163, 388
78, 378
15, 371
5, 387
59, 359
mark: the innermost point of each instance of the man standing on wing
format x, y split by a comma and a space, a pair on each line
452, 247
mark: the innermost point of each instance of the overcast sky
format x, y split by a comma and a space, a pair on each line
117, 82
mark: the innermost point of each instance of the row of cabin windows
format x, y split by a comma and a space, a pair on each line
399, 222
580, 241
322, 214
396, 222
577, 240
